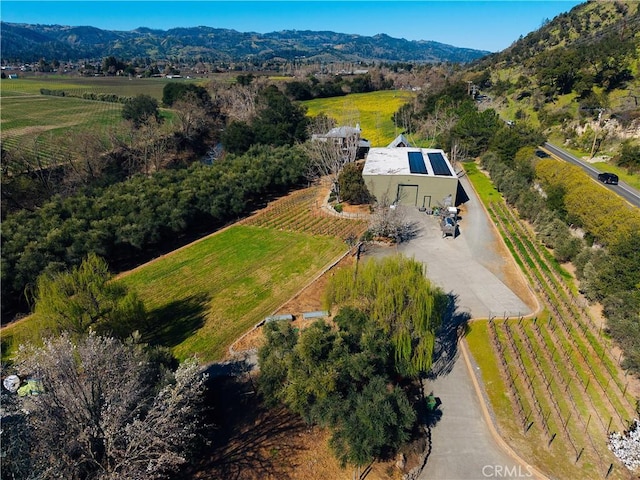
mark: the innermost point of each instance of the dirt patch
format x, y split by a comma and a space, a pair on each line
251, 442
310, 299
359, 209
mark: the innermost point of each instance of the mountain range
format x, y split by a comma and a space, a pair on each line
29, 43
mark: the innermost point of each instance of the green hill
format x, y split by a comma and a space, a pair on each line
577, 77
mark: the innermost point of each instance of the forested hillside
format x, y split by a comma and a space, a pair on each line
30, 43
577, 78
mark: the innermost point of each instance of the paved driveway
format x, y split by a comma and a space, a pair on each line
471, 269
469, 266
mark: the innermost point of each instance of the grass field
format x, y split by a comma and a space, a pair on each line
205, 296
373, 111
121, 86
32, 122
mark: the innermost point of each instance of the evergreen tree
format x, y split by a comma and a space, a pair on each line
352, 186
140, 109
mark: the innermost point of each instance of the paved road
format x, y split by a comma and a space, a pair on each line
469, 268
627, 192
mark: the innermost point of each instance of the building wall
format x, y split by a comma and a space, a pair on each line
430, 191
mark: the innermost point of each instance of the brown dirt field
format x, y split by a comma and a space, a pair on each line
361, 209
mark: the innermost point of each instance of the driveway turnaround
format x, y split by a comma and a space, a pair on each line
472, 268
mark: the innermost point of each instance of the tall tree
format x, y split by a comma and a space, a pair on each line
87, 297
352, 186
401, 300
140, 109
108, 410
330, 149
340, 378
279, 121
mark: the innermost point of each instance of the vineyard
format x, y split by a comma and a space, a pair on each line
76, 86
38, 125
301, 212
560, 371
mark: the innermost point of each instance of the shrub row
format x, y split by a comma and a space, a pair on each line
129, 222
100, 97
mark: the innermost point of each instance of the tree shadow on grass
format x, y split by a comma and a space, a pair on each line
248, 440
445, 350
176, 321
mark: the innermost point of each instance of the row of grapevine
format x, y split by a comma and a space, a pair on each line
40, 128
301, 212
565, 305
564, 384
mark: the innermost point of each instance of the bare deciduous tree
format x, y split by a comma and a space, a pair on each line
321, 124
107, 411
442, 120
191, 115
152, 145
239, 101
330, 150
389, 221
84, 151
16, 438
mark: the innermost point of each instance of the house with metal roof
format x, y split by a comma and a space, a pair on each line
421, 177
400, 141
346, 136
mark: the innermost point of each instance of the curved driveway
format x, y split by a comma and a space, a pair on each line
470, 268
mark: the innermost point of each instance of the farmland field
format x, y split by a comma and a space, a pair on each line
34, 123
122, 86
205, 296
202, 297
555, 381
28, 115
373, 111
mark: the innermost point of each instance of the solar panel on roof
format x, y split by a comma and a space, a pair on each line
416, 162
439, 164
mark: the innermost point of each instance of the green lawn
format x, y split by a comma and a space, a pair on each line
205, 296
477, 339
481, 183
373, 111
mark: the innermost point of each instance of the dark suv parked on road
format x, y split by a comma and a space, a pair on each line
610, 178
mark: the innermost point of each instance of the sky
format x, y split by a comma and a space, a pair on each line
490, 25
